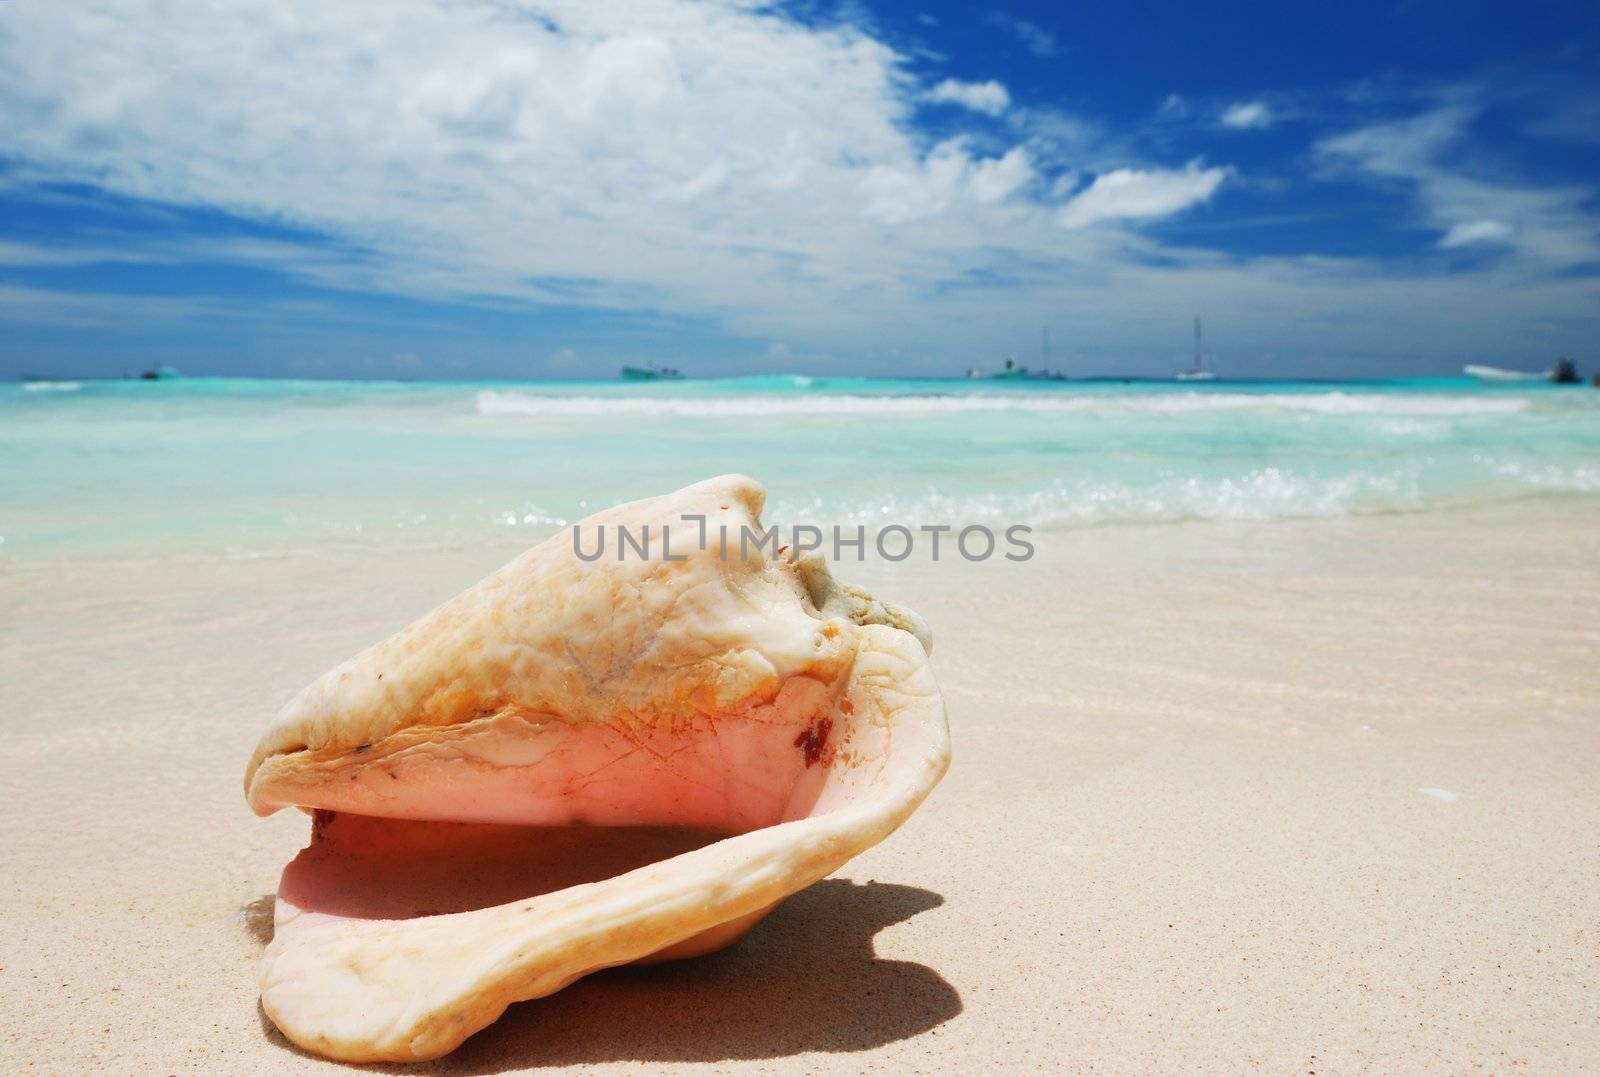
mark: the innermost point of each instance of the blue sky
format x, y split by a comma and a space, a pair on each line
500, 188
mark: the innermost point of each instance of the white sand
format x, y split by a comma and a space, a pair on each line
1316, 796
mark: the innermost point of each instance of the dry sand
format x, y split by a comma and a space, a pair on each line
1294, 797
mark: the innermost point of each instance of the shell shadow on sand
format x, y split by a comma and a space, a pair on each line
807, 979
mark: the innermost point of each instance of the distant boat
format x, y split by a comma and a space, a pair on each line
161, 372
1495, 374
650, 373
1010, 372
1198, 371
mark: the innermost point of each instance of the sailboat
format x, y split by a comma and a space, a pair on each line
1198, 372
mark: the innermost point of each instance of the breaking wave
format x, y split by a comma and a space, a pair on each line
247, 464
1262, 494
508, 403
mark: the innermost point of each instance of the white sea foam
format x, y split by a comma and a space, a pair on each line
1261, 494
1554, 477
505, 403
1052, 457
52, 386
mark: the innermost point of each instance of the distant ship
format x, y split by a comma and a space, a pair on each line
1497, 374
161, 372
1198, 371
650, 373
1012, 372
1563, 373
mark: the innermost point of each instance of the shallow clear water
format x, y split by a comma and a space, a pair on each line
245, 466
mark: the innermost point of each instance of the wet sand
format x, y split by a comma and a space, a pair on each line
1305, 796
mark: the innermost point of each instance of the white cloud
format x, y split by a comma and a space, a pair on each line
1245, 115
1469, 232
703, 158
1555, 228
997, 179
1175, 107
1398, 148
1131, 194
714, 160
24, 305
989, 97
709, 179
899, 195
58, 256
948, 178
1035, 38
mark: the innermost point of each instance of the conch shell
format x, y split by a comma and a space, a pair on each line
469, 777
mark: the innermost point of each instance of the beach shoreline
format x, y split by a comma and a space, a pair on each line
1300, 793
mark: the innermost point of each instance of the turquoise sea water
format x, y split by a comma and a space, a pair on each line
245, 466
